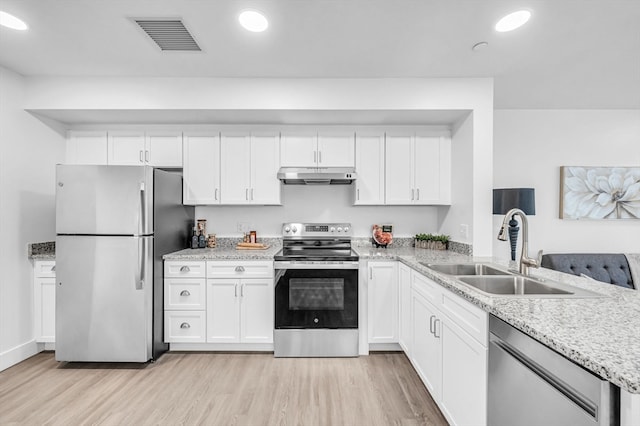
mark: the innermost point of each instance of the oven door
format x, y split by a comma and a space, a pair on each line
316, 297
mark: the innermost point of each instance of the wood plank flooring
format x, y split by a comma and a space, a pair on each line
218, 389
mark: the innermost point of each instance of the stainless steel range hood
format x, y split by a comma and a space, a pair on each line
317, 175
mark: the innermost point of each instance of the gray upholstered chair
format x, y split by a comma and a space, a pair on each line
605, 267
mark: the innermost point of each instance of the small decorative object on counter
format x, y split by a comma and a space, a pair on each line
202, 226
382, 235
245, 237
431, 241
194, 238
211, 241
253, 237
202, 241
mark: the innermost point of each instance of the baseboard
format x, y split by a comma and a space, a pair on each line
18, 354
374, 347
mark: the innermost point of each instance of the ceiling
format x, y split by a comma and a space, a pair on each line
571, 54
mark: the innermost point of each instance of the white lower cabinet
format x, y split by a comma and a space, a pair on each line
44, 300
383, 302
240, 311
218, 302
449, 350
405, 327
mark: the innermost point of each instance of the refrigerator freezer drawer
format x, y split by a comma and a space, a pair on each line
104, 298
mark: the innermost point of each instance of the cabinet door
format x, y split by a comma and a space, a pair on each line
223, 311
126, 148
336, 150
256, 313
383, 302
426, 350
45, 309
432, 170
405, 325
299, 150
464, 377
164, 149
235, 164
86, 148
399, 171
201, 172
370, 169
265, 162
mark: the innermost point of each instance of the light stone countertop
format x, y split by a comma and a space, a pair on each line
601, 334
223, 253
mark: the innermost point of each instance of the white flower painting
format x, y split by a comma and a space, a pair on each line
600, 193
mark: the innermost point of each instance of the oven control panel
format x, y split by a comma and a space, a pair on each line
316, 229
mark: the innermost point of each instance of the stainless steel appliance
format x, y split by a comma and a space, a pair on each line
530, 384
317, 175
113, 225
316, 292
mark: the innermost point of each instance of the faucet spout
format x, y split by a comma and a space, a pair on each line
525, 260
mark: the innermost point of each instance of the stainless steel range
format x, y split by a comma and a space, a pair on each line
316, 292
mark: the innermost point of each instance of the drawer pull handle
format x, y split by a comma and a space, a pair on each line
185, 325
185, 269
239, 268
53, 268
185, 293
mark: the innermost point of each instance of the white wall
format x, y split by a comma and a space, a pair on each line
331, 203
529, 148
29, 151
462, 185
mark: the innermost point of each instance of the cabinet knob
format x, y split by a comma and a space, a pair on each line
185, 325
185, 269
185, 293
239, 268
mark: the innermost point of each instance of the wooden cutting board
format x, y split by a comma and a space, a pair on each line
252, 248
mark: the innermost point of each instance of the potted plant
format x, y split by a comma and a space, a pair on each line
431, 241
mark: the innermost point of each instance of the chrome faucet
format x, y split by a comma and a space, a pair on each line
525, 261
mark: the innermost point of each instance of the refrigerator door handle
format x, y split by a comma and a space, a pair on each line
140, 276
143, 209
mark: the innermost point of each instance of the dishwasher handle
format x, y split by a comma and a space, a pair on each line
588, 406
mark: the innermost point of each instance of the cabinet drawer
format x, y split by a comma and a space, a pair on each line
184, 326
467, 316
430, 290
185, 294
239, 269
183, 269
45, 268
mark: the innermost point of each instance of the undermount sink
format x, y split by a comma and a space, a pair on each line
497, 282
465, 269
511, 285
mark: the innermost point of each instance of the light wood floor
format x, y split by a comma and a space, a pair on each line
218, 389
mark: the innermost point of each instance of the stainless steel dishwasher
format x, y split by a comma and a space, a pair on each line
530, 384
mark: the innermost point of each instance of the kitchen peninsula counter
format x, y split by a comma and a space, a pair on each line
601, 334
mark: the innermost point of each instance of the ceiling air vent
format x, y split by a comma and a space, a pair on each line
169, 34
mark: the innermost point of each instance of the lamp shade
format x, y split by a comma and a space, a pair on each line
505, 199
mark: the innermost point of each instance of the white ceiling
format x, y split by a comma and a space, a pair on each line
572, 54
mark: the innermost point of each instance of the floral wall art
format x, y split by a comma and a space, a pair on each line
599, 192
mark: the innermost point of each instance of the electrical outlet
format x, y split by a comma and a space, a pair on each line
244, 227
464, 230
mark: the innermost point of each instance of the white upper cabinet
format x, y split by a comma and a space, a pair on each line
249, 165
87, 147
370, 169
336, 150
158, 149
201, 173
317, 150
418, 169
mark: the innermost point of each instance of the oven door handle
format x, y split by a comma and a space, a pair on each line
317, 266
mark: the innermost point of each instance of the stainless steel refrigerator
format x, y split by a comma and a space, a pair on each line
113, 225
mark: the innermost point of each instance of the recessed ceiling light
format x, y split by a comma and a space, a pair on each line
253, 21
10, 21
513, 20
